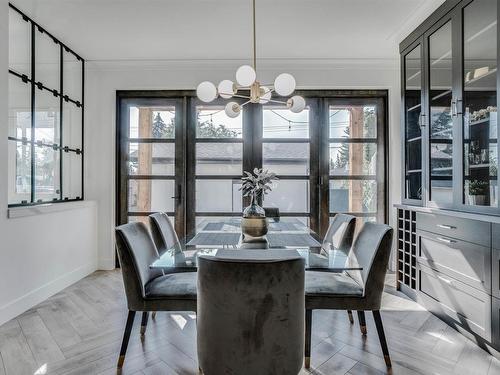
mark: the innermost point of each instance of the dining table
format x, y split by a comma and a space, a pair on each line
217, 237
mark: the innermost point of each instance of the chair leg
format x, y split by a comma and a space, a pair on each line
144, 322
381, 336
362, 322
307, 346
153, 315
126, 337
349, 314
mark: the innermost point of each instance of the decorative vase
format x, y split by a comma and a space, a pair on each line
254, 223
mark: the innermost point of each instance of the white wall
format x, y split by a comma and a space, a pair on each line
104, 78
41, 253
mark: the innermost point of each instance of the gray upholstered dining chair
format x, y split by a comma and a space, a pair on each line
272, 213
164, 237
147, 289
340, 235
353, 290
249, 318
163, 232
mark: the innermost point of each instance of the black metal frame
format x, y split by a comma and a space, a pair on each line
59, 93
252, 141
449, 11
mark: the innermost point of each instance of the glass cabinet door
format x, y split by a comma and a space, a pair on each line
441, 116
413, 118
480, 174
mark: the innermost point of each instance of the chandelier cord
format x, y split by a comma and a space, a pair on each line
254, 40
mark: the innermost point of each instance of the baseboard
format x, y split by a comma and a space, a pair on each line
106, 264
40, 294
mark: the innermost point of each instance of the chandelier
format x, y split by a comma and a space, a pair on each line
246, 79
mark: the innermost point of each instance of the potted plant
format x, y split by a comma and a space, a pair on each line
477, 192
256, 186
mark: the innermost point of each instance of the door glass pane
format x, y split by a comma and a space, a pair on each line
151, 195
212, 122
47, 174
413, 134
353, 121
353, 158
19, 44
441, 122
480, 104
289, 196
151, 122
47, 114
19, 172
279, 122
72, 76
19, 108
219, 158
151, 159
72, 175
353, 196
286, 158
47, 56
218, 196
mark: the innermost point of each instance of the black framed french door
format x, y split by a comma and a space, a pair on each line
150, 170
181, 156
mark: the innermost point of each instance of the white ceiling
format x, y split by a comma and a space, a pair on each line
221, 29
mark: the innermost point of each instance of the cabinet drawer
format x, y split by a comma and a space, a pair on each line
459, 259
478, 232
455, 301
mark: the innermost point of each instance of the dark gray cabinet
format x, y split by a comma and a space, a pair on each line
450, 85
448, 246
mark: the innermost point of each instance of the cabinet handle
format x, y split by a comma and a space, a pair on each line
447, 281
445, 226
446, 240
421, 117
453, 108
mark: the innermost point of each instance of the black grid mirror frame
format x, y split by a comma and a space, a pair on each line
51, 161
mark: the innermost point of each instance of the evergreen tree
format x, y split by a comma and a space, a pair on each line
160, 129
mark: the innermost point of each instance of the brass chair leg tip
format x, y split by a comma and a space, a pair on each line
153, 315
307, 362
363, 330
121, 359
387, 360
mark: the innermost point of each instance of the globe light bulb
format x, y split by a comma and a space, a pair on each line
284, 84
206, 91
296, 104
232, 109
226, 89
265, 94
245, 75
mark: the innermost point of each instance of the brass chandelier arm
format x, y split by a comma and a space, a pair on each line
234, 95
277, 101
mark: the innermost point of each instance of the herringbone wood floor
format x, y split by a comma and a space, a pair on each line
79, 331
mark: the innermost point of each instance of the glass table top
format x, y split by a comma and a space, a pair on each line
285, 238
